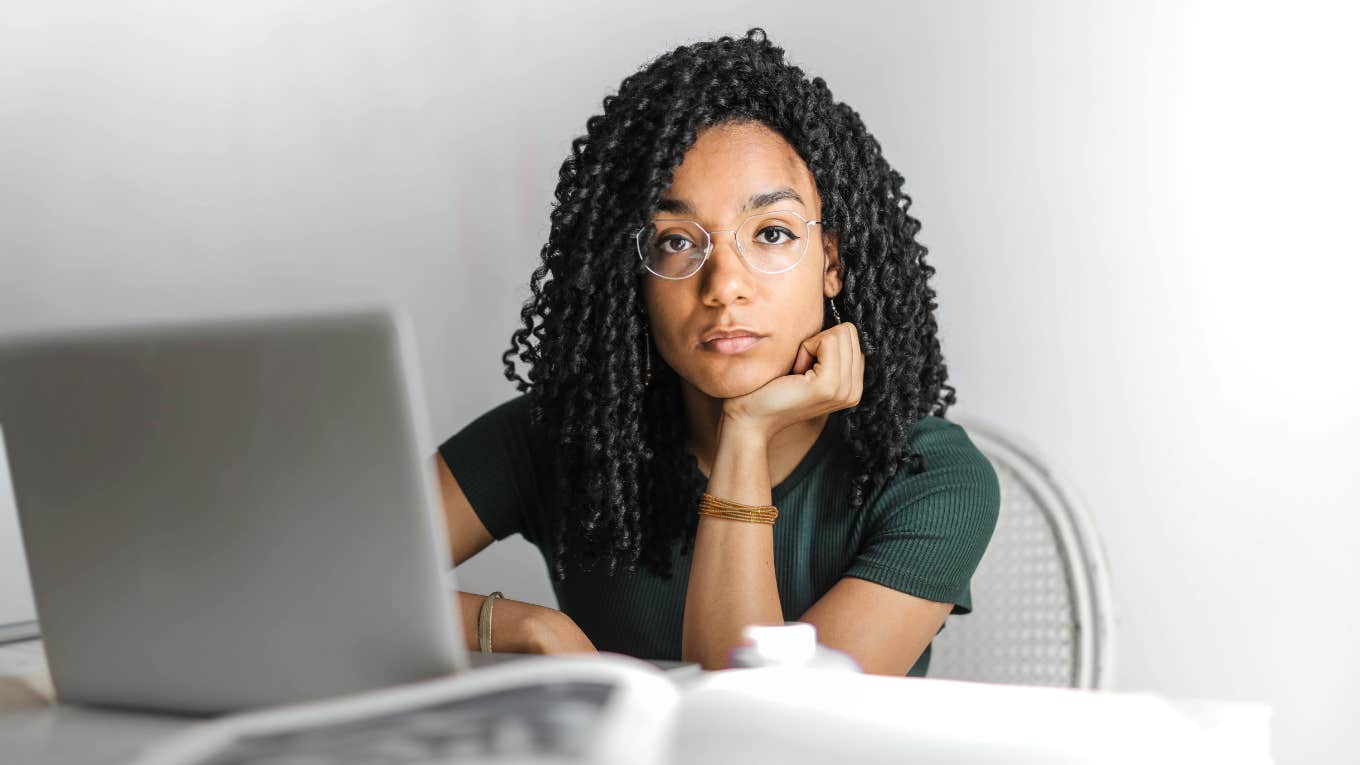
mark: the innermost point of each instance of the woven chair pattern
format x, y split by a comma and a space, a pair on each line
1041, 611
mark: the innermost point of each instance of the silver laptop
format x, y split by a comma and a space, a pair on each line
223, 515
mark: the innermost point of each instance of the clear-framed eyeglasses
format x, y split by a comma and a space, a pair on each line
770, 242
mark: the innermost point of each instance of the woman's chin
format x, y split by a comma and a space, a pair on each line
735, 382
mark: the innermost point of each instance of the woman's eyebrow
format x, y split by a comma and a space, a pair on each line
768, 198
677, 206
674, 205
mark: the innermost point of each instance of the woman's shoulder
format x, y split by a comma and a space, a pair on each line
506, 428
927, 530
513, 414
956, 476
947, 442
513, 408
502, 462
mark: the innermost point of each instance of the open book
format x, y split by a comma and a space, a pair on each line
587, 709
613, 709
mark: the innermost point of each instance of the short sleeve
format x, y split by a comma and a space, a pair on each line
926, 533
499, 460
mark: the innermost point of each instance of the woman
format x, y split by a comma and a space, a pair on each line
734, 405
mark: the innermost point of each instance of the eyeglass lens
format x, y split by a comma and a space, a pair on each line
770, 242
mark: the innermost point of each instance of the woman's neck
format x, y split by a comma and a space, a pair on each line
787, 447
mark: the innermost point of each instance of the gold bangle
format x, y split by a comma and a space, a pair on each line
765, 519
484, 622
717, 507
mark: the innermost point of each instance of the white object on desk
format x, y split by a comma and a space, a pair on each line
792, 644
809, 716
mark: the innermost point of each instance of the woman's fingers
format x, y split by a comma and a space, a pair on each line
817, 356
847, 362
827, 376
829, 357
850, 362
837, 364
803, 361
857, 371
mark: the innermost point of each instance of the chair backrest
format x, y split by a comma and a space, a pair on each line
1042, 607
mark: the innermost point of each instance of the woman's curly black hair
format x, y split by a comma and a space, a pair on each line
627, 484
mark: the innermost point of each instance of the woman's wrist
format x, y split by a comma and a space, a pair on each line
512, 623
742, 430
529, 628
551, 631
741, 464
540, 631
517, 627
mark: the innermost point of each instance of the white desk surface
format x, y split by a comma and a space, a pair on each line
846, 717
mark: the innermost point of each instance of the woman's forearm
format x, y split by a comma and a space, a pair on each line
518, 627
508, 628
732, 579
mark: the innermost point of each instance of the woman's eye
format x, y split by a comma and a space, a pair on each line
775, 235
674, 244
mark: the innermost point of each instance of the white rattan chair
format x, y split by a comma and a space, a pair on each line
1042, 608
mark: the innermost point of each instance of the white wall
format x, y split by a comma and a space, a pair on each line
1142, 216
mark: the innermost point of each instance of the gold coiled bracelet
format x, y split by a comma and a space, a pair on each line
717, 507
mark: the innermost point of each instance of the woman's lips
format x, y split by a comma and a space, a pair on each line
731, 344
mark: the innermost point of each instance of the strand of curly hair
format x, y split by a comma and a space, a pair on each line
628, 486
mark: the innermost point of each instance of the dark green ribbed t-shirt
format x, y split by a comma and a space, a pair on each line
921, 534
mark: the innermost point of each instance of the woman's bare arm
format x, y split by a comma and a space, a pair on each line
516, 627
732, 581
467, 535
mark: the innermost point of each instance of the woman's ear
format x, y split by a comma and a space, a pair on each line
832, 274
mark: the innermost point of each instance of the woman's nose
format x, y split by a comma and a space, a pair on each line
725, 278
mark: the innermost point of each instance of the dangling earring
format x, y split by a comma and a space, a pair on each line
834, 312
647, 343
